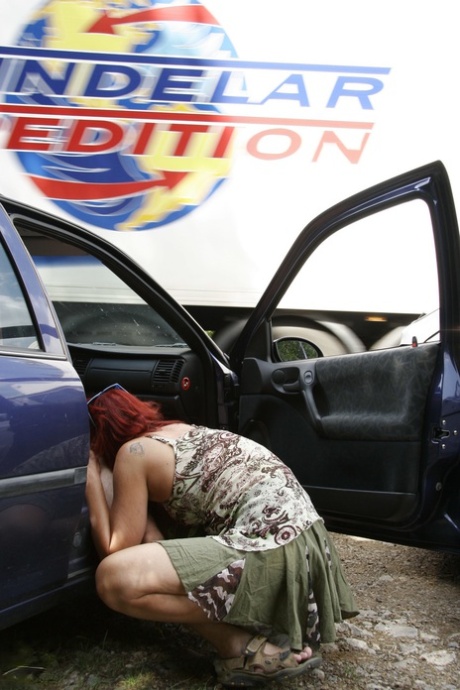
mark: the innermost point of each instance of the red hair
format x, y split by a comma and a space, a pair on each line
117, 417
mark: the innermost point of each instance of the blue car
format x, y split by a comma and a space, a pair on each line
369, 421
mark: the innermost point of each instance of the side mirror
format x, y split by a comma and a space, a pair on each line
291, 349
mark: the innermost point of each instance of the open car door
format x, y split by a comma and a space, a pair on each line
371, 434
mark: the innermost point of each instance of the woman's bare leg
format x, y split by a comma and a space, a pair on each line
141, 582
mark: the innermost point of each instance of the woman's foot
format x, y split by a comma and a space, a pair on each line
261, 661
306, 653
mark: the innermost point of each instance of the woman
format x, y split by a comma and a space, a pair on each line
263, 585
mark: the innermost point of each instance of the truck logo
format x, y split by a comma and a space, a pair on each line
128, 115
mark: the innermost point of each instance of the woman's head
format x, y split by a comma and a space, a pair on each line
117, 417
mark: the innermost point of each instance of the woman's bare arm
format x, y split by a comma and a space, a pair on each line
97, 505
124, 521
152, 531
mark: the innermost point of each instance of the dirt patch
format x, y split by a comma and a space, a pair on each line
407, 636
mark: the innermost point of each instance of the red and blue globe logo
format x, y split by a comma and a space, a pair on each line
128, 137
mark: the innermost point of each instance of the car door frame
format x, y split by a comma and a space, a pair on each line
436, 506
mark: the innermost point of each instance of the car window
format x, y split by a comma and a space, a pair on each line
93, 304
380, 267
16, 326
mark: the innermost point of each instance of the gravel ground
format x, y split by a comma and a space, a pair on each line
407, 636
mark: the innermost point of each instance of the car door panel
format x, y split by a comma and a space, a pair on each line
372, 435
378, 396
361, 418
44, 436
45, 446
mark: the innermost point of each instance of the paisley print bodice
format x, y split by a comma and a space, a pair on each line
236, 490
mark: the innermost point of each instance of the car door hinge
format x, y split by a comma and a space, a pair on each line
440, 434
446, 436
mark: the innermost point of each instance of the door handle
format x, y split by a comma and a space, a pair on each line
308, 385
300, 380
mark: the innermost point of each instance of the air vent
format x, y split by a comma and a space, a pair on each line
167, 371
80, 365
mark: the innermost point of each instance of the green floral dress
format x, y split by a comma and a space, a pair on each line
267, 562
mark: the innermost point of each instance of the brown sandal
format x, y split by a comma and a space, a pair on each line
256, 668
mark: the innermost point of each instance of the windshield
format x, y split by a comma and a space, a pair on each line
93, 304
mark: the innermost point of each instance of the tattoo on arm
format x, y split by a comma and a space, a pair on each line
136, 448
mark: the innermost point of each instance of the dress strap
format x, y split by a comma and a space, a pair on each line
163, 439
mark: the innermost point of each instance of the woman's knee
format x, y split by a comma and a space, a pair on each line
130, 574
110, 582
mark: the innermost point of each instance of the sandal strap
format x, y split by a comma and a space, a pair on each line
254, 656
254, 644
240, 662
254, 667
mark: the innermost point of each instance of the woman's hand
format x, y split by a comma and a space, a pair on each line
94, 465
99, 472
93, 459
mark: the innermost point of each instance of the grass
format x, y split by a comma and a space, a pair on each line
84, 646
